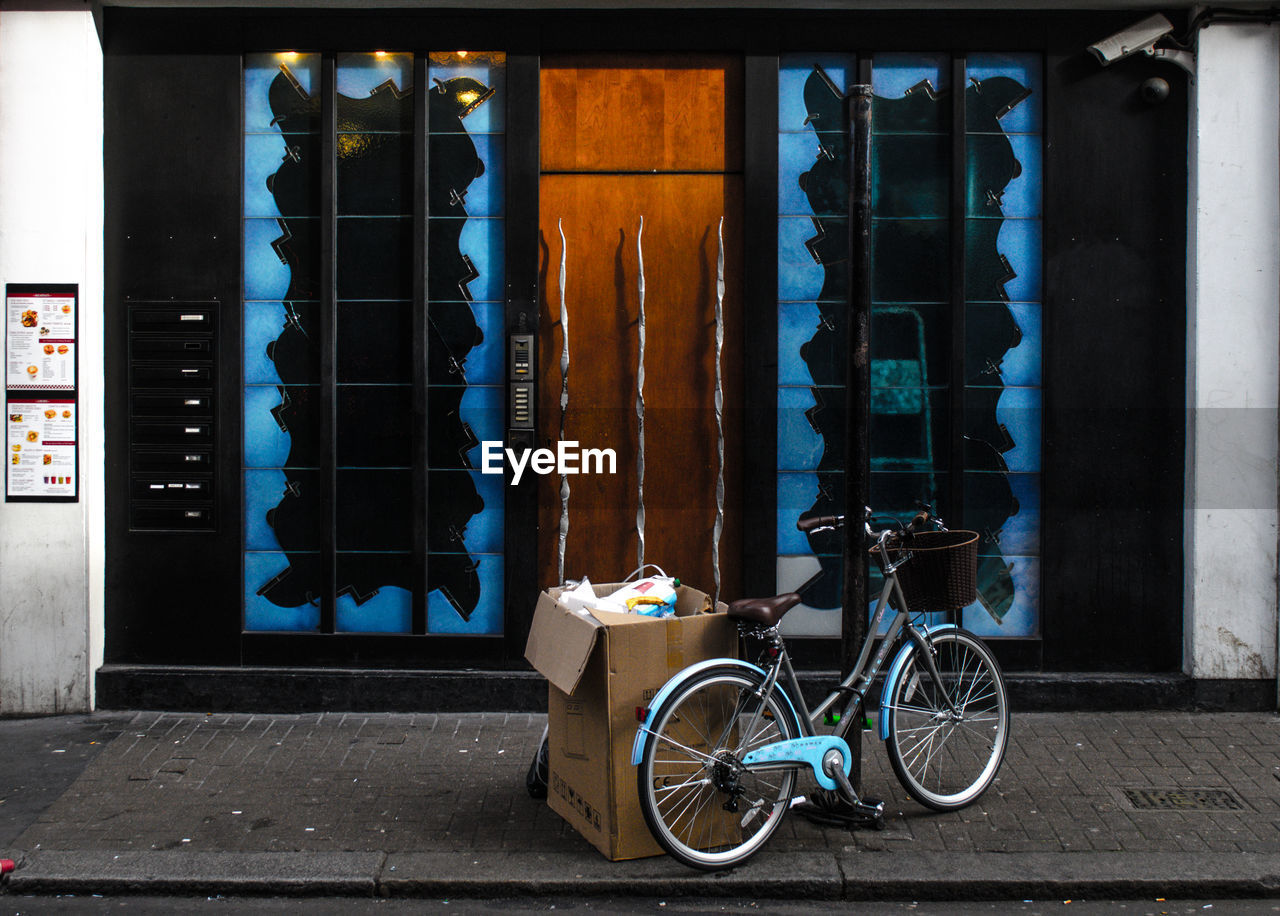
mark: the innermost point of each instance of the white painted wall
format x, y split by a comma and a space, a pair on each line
1233, 345
51, 554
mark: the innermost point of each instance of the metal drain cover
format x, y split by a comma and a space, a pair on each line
1183, 800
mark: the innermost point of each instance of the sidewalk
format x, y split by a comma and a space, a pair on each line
435, 806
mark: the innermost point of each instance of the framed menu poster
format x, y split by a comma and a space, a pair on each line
41, 397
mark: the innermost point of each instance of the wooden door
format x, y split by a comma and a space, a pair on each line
622, 138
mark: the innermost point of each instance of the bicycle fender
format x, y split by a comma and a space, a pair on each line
895, 674
801, 752
637, 747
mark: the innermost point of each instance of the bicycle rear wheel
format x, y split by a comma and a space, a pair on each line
700, 805
946, 759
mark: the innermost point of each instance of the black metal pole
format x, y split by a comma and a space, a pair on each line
857, 468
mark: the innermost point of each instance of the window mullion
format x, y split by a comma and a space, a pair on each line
328, 337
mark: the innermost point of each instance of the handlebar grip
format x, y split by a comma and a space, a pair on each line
819, 521
921, 521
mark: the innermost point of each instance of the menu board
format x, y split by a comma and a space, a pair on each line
42, 447
40, 392
40, 351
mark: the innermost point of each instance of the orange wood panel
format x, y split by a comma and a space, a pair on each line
642, 113
601, 217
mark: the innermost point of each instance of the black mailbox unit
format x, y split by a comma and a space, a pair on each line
172, 347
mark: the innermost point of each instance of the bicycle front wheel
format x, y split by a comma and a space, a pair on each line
701, 806
947, 735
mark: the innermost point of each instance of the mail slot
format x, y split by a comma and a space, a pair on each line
185, 319
172, 405
171, 518
170, 489
181, 433
172, 459
173, 349
171, 376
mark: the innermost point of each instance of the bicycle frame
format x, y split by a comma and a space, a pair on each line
856, 682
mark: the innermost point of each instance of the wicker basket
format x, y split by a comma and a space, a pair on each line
942, 572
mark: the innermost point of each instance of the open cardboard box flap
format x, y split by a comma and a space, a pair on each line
561, 640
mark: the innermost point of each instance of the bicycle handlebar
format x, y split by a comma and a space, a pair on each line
923, 521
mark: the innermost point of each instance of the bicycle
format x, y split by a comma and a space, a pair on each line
723, 742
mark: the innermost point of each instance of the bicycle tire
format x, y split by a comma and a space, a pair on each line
698, 806
946, 762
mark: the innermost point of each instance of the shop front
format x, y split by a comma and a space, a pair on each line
358, 266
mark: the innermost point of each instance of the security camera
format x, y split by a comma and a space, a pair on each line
1141, 36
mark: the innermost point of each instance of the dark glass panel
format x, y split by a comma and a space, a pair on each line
375, 511
909, 429
385, 110
900, 494
454, 165
375, 426
375, 174
375, 258
910, 260
910, 345
991, 332
375, 342
911, 175
450, 437
294, 515
458, 515
989, 168
452, 334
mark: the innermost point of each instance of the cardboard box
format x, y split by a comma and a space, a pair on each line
601, 666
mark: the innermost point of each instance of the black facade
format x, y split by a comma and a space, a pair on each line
1113, 265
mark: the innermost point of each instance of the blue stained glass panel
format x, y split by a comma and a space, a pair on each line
794, 70
482, 241
484, 410
486, 195
262, 492
796, 155
260, 70
1027, 69
486, 619
1022, 195
800, 277
263, 322
1020, 242
265, 444
892, 74
797, 322
800, 447
389, 611
489, 68
263, 154
1020, 411
1021, 366
357, 75
485, 365
265, 275
797, 492
1023, 616
1020, 534
261, 614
